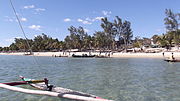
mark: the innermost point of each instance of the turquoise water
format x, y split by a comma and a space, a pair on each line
119, 79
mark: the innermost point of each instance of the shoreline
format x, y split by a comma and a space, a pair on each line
113, 55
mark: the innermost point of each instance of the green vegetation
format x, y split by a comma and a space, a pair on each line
116, 35
172, 25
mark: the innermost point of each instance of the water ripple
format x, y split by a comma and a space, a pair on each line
127, 79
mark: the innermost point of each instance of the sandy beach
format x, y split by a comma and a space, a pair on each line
113, 55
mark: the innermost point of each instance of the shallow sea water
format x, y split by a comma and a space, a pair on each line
119, 79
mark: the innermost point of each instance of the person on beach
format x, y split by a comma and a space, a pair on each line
172, 57
163, 54
109, 55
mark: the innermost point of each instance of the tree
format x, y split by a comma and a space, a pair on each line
45, 43
5, 49
38, 44
138, 42
1, 49
101, 41
22, 44
169, 38
162, 41
109, 31
87, 42
155, 39
13, 47
177, 37
126, 33
68, 42
62, 45
172, 25
118, 24
74, 37
84, 39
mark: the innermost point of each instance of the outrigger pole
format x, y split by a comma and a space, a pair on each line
23, 82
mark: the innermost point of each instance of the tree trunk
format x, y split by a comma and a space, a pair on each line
125, 45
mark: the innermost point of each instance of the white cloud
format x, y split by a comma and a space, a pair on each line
80, 20
35, 27
97, 18
23, 19
3, 45
39, 9
18, 37
93, 19
88, 19
13, 19
35, 35
11, 40
106, 13
29, 6
9, 19
67, 20
84, 21
86, 30
160, 30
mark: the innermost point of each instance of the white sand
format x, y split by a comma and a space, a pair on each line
114, 55
146, 55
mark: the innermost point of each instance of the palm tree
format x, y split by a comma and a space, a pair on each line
126, 33
87, 42
13, 47
68, 42
109, 31
171, 22
162, 41
83, 38
118, 28
74, 37
39, 43
101, 41
169, 38
22, 44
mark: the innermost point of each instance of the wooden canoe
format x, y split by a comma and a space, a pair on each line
175, 60
65, 93
83, 56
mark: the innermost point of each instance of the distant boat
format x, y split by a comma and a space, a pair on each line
28, 53
102, 56
174, 60
83, 56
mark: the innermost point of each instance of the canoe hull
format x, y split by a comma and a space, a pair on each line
63, 91
172, 60
83, 56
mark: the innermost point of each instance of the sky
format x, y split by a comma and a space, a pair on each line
54, 17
